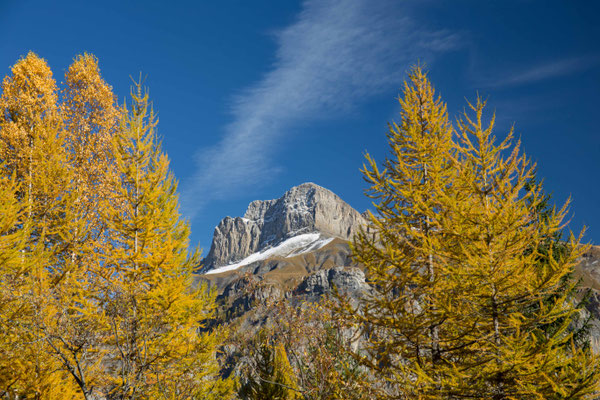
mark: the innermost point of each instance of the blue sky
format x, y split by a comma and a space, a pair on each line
255, 97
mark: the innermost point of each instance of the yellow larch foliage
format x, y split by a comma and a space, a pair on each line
462, 291
318, 344
159, 349
282, 365
15, 266
91, 114
404, 315
503, 295
31, 153
78, 328
30, 144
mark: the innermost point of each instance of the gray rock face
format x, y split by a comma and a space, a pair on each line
588, 270
233, 238
247, 292
303, 209
345, 280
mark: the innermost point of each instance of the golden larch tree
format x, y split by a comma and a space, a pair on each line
77, 331
32, 154
463, 286
507, 285
158, 349
30, 140
403, 317
90, 113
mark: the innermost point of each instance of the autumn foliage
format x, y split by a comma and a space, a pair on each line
464, 283
96, 294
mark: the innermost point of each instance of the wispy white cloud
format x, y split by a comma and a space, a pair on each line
541, 72
336, 54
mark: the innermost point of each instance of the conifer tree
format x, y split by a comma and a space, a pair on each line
77, 331
404, 315
153, 310
31, 153
90, 114
271, 375
508, 284
90, 117
476, 324
30, 141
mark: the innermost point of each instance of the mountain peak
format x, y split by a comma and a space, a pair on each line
298, 194
304, 209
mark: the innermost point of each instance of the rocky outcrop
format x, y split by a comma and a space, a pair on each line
588, 274
247, 292
302, 209
350, 281
233, 239
589, 268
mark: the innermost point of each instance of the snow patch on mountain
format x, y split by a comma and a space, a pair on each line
288, 248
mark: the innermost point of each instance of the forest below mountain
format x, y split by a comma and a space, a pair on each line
470, 278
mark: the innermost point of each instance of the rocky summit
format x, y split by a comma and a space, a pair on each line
307, 209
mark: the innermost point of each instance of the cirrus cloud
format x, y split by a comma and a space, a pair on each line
335, 55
